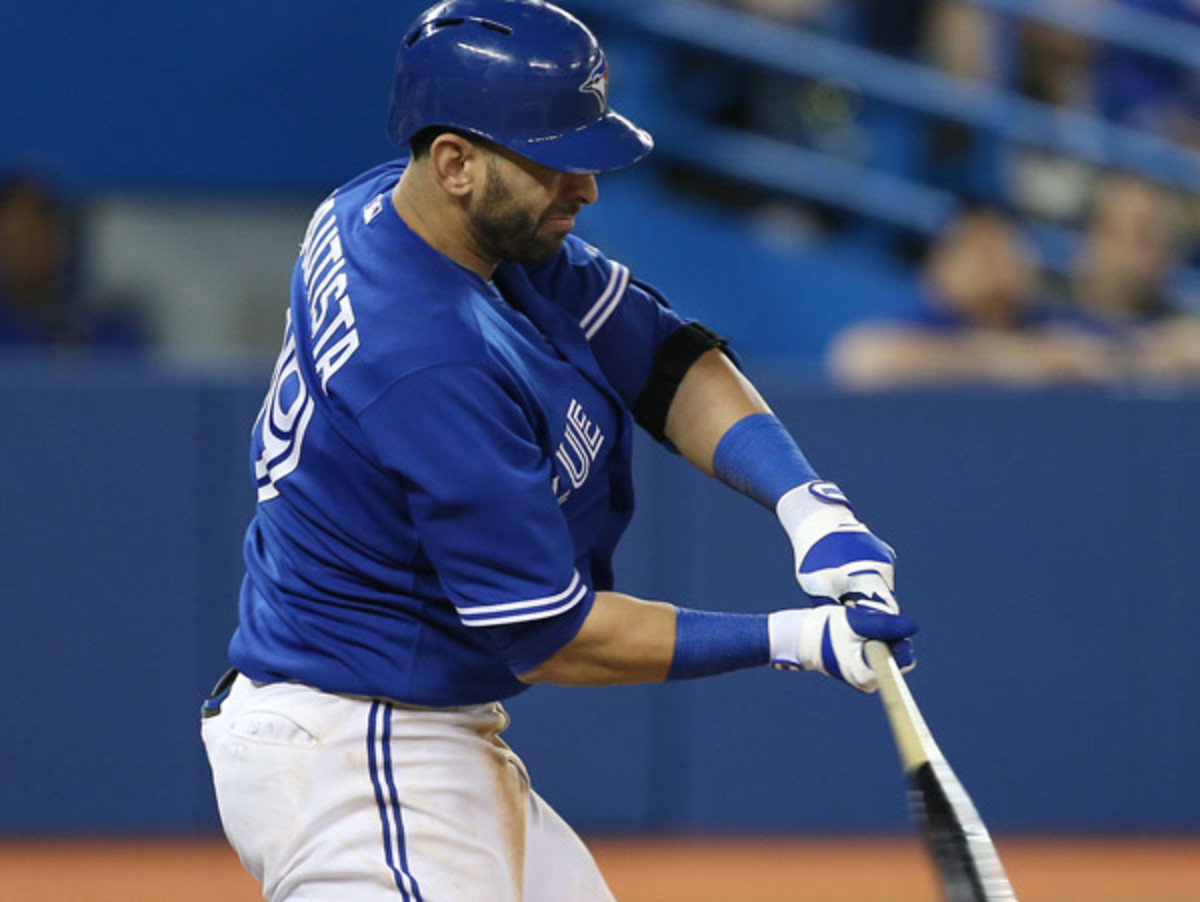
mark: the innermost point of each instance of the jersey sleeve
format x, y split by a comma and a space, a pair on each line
625, 320
478, 487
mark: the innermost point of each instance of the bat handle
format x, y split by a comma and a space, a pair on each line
879, 656
913, 740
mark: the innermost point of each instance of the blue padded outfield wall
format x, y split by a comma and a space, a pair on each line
1048, 545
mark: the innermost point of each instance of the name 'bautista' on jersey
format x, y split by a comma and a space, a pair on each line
442, 461
287, 408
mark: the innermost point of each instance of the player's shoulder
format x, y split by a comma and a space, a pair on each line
398, 344
355, 194
425, 324
362, 270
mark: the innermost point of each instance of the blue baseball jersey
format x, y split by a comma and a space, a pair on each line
442, 461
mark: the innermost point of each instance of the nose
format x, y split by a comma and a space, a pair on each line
583, 188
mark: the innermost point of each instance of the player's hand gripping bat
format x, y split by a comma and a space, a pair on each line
962, 850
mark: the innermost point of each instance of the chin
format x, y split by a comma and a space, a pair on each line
541, 251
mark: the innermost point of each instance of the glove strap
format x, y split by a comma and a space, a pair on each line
812, 511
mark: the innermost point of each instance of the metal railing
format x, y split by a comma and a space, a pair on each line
806, 55
890, 198
1110, 23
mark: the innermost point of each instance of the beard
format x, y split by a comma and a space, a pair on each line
504, 230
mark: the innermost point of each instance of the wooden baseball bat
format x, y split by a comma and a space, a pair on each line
955, 835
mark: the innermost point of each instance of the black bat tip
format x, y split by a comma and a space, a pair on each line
966, 861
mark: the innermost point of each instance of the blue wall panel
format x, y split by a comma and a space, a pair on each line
101, 593
1047, 545
223, 94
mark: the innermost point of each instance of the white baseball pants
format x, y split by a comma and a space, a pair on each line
327, 797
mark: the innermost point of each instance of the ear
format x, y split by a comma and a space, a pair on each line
458, 164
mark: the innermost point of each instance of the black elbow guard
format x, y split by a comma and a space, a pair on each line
674, 358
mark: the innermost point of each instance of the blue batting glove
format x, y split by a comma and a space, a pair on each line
831, 639
837, 557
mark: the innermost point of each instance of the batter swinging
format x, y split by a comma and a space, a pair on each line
442, 464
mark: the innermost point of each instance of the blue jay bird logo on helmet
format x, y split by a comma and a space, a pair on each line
524, 74
597, 84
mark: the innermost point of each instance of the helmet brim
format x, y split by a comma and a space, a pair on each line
611, 142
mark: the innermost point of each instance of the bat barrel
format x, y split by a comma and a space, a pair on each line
957, 839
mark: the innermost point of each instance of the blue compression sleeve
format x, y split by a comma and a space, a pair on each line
708, 643
758, 458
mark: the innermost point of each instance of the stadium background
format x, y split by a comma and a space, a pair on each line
195, 140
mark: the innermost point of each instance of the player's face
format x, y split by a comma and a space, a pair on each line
525, 210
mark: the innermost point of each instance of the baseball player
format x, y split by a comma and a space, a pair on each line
442, 464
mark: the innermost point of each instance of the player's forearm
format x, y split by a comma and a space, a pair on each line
624, 640
722, 425
711, 398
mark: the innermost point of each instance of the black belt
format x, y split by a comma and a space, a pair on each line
211, 706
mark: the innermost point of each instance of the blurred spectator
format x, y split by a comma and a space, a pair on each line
838, 120
978, 319
1132, 242
819, 114
1055, 67
40, 304
1150, 92
959, 40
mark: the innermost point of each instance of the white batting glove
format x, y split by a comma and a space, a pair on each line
837, 557
831, 639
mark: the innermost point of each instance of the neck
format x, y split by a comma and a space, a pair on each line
439, 220
1109, 294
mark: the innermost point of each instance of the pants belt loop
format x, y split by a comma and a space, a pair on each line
211, 706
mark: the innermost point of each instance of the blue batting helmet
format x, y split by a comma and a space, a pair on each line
521, 73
